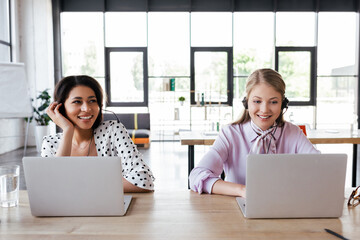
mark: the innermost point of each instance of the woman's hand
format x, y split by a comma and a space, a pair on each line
58, 118
229, 188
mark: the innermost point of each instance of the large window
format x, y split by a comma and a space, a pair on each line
211, 75
310, 48
82, 44
126, 60
295, 29
296, 52
297, 65
169, 43
337, 44
5, 43
126, 76
169, 64
337, 70
252, 49
211, 29
125, 29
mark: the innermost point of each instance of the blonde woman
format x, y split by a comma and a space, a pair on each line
260, 130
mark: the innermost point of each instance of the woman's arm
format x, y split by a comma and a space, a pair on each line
207, 172
67, 127
138, 176
131, 188
228, 188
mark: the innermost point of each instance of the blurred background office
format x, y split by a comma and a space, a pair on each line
149, 54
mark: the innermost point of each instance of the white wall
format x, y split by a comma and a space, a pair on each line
33, 45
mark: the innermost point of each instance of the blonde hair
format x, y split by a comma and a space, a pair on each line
270, 77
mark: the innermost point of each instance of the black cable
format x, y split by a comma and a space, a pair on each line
112, 113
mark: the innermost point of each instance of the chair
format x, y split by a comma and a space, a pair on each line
137, 125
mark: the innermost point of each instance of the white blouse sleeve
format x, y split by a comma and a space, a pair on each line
50, 145
135, 170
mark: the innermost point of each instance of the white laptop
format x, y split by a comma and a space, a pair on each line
294, 186
75, 186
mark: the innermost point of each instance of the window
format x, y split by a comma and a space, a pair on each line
295, 29
295, 55
169, 44
298, 69
211, 29
82, 44
337, 44
126, 76
337, 70
126, 58
316, 52
5, 52
337, 92
252, 49
123, 29
211, 75
5, 40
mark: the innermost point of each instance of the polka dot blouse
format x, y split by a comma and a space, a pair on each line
112, 139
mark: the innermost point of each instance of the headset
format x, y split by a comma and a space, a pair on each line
284, 103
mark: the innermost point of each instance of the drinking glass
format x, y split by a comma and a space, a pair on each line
9, 185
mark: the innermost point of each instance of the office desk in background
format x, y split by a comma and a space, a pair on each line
173, 215
318, 136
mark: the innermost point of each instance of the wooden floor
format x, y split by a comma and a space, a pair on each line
167, 160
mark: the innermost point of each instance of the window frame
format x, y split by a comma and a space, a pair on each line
313, 71
111, 103
229, 51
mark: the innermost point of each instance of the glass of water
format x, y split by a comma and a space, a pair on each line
9, 185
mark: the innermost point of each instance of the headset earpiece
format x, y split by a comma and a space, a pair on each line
285, 103
244, 101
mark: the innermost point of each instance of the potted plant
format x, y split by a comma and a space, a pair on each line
41, 118
182, 99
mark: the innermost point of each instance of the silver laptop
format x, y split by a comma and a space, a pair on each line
75, 186
294, 186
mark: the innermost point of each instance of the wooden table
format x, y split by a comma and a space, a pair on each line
193, 138
173, 215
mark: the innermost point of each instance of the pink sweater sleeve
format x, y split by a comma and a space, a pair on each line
209, 169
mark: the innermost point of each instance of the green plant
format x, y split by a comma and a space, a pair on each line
40, 115
181, 99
